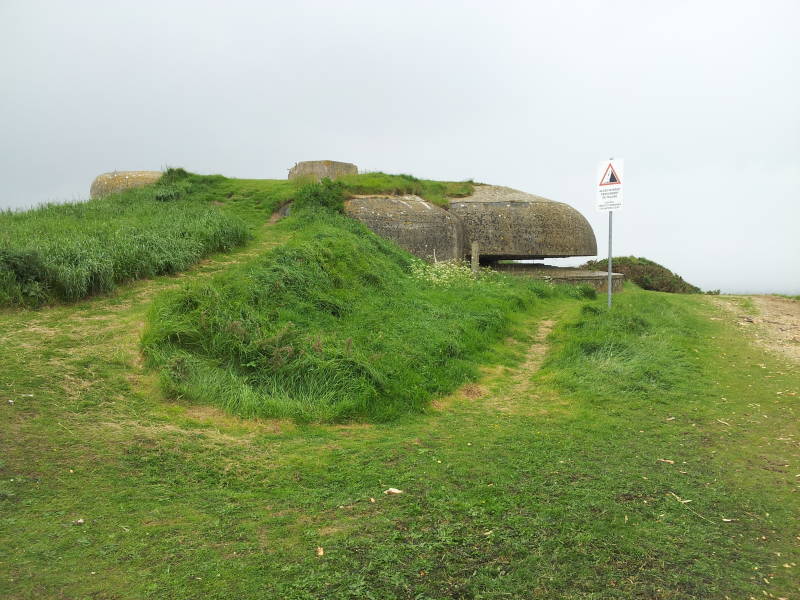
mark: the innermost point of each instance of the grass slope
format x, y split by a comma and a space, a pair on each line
545, 485
334, 325
70, 251
646, 274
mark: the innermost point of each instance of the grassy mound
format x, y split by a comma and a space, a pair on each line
64, 252
70, 251
646, 274
337, 324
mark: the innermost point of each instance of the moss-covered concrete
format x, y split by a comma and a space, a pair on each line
418, 226
116, 181
317, 169
510, 224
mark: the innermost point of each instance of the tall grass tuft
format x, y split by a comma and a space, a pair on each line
641, 352
64, 252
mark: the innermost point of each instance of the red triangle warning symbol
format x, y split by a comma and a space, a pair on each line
610, 177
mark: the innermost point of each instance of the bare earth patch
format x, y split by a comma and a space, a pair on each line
776, 326
511, 398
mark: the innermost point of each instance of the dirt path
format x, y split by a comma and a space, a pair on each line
775, 324
534, 358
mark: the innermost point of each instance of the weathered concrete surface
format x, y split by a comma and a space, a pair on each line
317, 169
510, 224
116, 181
418, 226
597, 279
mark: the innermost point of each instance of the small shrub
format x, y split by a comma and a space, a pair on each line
326, 194
646, 274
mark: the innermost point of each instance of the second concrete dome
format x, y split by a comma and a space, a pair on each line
510, 224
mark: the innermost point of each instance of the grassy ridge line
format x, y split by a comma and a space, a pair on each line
436, 192
70, 251
335, 325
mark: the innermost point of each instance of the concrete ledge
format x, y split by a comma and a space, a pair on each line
317, 169
570, 275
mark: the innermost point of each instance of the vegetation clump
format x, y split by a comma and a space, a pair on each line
435, 192
646, 274
70, 251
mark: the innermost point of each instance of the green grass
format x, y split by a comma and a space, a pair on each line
789, 297
70, 251
646, 274
334, 325
436, 192
654, 455
543, 485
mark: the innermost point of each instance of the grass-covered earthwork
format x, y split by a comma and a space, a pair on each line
436, 192
64, 252
70, 251
648, 451
335, 324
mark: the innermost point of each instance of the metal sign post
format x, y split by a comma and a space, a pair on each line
610, 215
609, 199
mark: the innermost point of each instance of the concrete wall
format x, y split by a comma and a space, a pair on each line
574, 276
108, 183
420, 227
509, 224
317, 169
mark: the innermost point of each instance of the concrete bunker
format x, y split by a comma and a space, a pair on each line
420, 227
510, 224
318, 169
116, 181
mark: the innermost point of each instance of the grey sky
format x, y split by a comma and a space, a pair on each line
701, 99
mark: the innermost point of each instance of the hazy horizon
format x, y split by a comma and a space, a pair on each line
700, 99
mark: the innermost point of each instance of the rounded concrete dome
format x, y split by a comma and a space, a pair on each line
509, 224
419, 227
108, 183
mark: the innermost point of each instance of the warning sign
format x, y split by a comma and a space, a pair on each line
609, 186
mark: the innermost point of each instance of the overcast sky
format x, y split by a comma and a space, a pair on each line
701, 99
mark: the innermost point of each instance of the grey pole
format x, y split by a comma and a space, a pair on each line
610, 213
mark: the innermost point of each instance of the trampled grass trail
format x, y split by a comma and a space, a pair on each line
517, 486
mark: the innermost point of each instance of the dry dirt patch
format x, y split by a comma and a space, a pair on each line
776, 326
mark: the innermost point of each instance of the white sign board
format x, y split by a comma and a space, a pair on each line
610, 174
